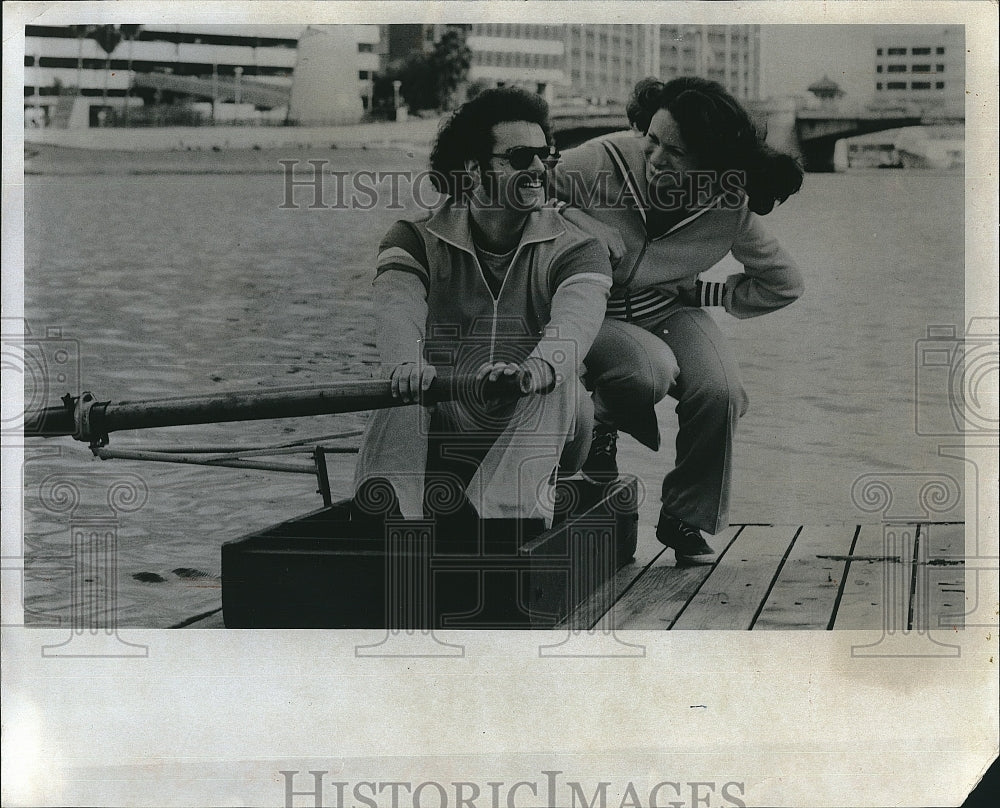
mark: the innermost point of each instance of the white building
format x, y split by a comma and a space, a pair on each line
922, 65
228, 67
519, 54
605, 61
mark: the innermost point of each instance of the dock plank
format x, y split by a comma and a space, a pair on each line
877, 588
589, 613
941, 596
731, 596
805, 593
663, 589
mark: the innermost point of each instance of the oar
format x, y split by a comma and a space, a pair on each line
89, 420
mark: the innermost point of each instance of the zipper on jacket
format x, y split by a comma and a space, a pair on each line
631, 277
496, 299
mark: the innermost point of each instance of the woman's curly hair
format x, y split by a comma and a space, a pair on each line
467, 134
641, 105
721, 136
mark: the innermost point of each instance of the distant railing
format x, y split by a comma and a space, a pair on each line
221, 88
178, 115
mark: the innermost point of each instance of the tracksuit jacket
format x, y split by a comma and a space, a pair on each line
657, 268
432, 304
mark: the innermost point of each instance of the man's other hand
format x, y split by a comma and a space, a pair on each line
409, 380
538, 372
491, 371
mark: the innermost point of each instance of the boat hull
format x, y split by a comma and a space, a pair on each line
328, 570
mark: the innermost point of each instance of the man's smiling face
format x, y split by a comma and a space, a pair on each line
517, 189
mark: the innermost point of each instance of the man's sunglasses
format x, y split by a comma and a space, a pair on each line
520, 157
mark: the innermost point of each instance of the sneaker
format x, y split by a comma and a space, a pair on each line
601, 465
689, 546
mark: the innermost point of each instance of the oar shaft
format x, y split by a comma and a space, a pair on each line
102, 418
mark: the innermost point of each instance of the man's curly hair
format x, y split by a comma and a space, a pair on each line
467, 134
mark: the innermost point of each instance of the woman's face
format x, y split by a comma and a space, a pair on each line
666, 151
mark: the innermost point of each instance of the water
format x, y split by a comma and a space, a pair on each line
180, 284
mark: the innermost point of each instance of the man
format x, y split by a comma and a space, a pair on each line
496, 283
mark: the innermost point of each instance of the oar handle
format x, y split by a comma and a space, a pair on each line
89, 420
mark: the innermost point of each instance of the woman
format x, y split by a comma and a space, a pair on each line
675, 201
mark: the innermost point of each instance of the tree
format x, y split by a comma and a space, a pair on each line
450, 63
428, 80
416, 77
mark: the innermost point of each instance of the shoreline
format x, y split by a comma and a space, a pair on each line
225, 150
62, 161
416, 132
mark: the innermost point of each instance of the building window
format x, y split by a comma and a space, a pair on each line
921, 51
878, 85
939, 51
878, 68
878, 52
896, 85
921, 68
897, 51
362, 74
920, 85
897, 68
939, 85
939, 68
366, 47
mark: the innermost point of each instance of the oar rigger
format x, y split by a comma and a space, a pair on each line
87, 419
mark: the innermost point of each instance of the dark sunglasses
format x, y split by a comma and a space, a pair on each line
520, 157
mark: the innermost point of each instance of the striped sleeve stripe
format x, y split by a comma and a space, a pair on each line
639, 305
710, 293
644, 296
402, 249
397, 255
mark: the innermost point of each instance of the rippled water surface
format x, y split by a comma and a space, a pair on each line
181, 284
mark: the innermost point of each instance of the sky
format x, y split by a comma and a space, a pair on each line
794, 56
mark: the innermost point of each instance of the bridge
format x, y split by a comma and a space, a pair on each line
818, 131
807, 132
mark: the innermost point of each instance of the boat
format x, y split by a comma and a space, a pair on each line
357, 563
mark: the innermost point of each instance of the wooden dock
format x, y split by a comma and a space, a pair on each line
895, 577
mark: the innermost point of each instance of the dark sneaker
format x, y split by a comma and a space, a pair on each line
689, 546
601, 465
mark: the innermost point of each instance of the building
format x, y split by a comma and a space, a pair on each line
527, 55
225, 72
598, 62
922, 65
246, 72
605, 61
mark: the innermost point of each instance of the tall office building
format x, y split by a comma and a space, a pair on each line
607, 60
922, 65
595, 61
528, 55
